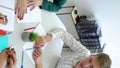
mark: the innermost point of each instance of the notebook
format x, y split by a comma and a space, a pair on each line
28, 46
3, 42
31, 16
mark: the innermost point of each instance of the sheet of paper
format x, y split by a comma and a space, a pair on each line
28, 46
10, 16
8, 3
3, 42
31, 16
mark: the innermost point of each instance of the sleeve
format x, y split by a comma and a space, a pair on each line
53, 6
69, 40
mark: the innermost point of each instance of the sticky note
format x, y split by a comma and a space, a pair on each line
3, 42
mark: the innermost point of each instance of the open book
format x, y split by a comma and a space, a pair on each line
28, 46
31, 16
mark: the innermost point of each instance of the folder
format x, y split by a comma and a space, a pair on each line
3, 42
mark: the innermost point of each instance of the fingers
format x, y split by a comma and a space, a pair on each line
10, 61
32, 8
31, 3
3, 19
40, 43
10, 50
11, 56
5, 52
2, 16
21, 9
21, 12
37, 53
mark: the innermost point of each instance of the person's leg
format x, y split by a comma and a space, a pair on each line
37, 56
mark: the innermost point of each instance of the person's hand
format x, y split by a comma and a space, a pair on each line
11, 61
3, 19
3, 58
21, 8
40, 43
33, 3
37, 56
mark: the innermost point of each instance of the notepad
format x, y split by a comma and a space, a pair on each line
31, 16
28, 46
3, 42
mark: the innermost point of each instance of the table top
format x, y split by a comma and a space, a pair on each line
50, 56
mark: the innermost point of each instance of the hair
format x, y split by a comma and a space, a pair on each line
104, 60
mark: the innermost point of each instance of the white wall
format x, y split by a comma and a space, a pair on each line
107, 13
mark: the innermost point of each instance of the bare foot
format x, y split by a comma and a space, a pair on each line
37, 56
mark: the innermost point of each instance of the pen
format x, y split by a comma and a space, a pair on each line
31, 48
29, 28
22, 58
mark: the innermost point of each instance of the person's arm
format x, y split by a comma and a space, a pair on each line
37, 56
3, 59
39, 65
69, 40
1, 66
53, 6
21, 9
42, 41
12, 60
